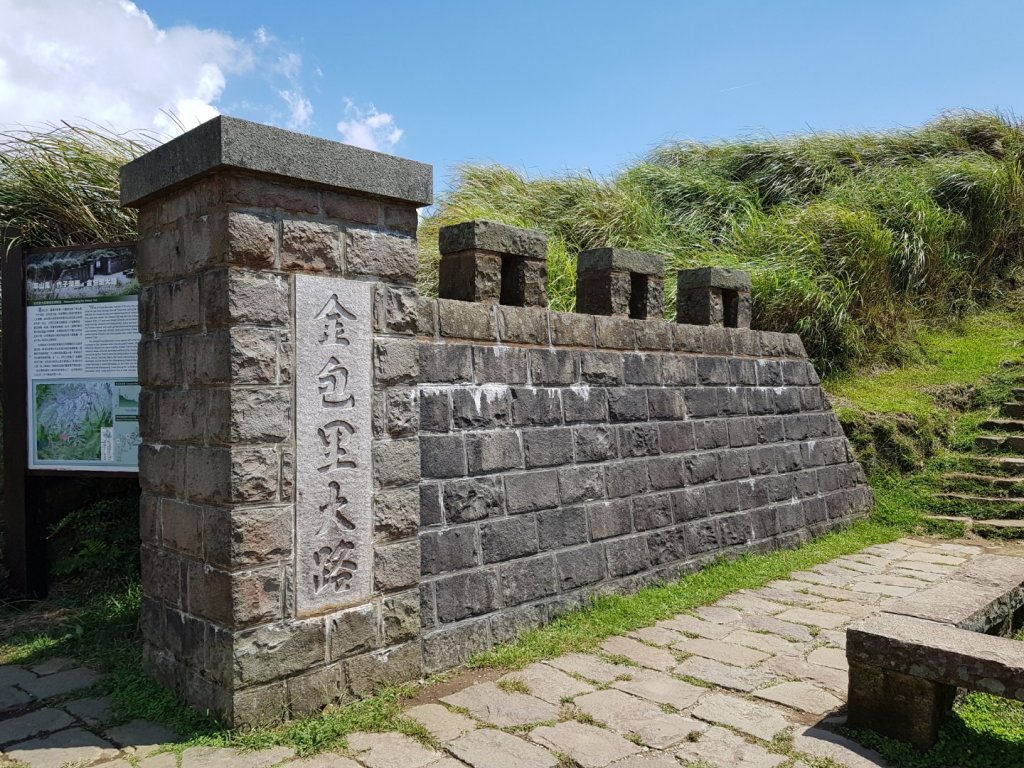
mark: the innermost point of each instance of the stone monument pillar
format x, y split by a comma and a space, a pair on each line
621, 283
280, 462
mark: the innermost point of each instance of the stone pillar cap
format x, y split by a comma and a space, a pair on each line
229, 143
621, 260
481, 235
714, 277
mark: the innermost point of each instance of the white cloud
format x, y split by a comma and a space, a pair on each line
107, 62
300, 109
369, 128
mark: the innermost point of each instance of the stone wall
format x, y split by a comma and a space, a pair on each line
567, 455
346, 484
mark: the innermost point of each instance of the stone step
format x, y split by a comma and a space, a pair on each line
1009, 443
988, 481
1004, 529
982, 501
1007, 464
1018, 393
1012, 410
1004, 425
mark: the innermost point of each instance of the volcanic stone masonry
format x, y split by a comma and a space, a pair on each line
346, 484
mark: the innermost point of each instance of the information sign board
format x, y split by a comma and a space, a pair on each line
82, 332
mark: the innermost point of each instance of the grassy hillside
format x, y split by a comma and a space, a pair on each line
851, 239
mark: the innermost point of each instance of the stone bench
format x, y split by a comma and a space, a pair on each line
907, 663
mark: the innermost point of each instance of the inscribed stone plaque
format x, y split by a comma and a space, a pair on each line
333, 523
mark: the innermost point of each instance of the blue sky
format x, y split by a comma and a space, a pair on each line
555, 86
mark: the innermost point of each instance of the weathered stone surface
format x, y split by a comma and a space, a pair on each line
820, 619
590, 667
11, 698
802, 696
767, 642
714, 277
227, 142
690, 625
443, 724
12, 674
390, 750
796, 668
141, 736
484, 235
661, 689
724, 749
334, 523
214, 757
548, 684
74, 745
821, 743
727, 653
626, 714
90, 711
829, 657
724, 675
32, 724
588, 746
621, 260
758, 720
487, 702
60, 683
490, 748
639, 653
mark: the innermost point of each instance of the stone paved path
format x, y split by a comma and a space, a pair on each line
757, 680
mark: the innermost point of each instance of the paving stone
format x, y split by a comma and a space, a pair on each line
857, 565
627, 714
925, 567
590, 667
882, 589
847, 608
750, 603
846, 574
661, 689
896, 581
727, 653
820, 619
718, 614
169, 760
758, 720
90, 711
327, 760
765, 641
656, 635
834, 593
587, 745
836, 637
824, 744
787, 629
869, 558
647, 760
724, 675
960, 549
390, 750
829, 657
813, 577
74, 745
215, 757
141, 736
34, 723
802, 696
443, 724
722, 748
11, 698
548, 684
691, 625
12, 674
923, 576
487, 702
60, 683
936, 557
635, 651
56, 664
490, 748
785, 596
798, 669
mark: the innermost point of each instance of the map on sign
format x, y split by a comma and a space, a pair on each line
83, 334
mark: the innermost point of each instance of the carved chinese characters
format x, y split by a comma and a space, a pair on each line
333, 556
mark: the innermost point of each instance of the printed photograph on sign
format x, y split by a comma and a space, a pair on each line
82, 321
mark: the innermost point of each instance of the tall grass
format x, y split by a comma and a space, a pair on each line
59, 184
851, 239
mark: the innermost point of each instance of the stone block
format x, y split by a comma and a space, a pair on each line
569, 330
576, 484
603, 293
531, 491
491, 236
470, 276
442, 456
368, 673
584, 403
501, 365
535, 407
278, 650
493, 452
310, 246
561, 527
396, 462
395, 310
553, 367
465, 320
524, 581
454, 549
445, 363
467, 594
453, 646
547, 447
396, 513
473, 499
621, 260
608, 519
392, 257
523, 325
508, 538
396, 566
627, 556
